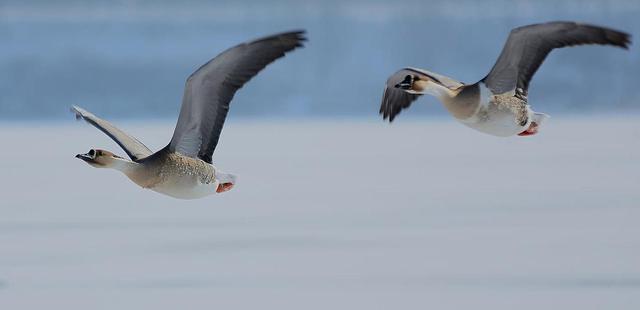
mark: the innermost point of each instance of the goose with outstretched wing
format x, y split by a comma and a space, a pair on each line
497, 104
183, 169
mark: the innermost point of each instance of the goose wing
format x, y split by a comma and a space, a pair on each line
209, 91
134, 148
528, 46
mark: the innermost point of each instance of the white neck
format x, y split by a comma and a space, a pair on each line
122, 165
435, 89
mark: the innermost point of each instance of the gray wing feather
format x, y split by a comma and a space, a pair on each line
134, 148
209, 91
395, 100
528, 46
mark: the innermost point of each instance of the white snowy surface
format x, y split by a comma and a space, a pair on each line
420, 214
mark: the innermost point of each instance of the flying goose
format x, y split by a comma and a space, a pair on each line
183, 169
497, 104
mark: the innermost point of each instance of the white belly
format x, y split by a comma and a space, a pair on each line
495, 119
498, 123
186, 187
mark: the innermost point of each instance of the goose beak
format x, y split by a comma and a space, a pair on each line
86, 157
406, 83
405, 86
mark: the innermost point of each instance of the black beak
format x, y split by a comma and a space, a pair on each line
404, 86
406, 83
85, 157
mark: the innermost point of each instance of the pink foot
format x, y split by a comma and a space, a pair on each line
532, 130
224, 187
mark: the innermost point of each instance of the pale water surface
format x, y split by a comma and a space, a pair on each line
422, 214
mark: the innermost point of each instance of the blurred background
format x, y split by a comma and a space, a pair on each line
334, 208
129, 59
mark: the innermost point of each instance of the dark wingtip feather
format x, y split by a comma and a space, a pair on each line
386, 116
301, 35
618, 38
76, 113
297, 36
293, 39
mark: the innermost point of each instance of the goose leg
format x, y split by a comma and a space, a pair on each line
532, 130
224, 187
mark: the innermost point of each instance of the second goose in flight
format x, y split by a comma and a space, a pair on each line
183, 169
497, 104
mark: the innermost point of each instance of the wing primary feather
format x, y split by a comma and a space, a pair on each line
528, 46
135, 149
210, 90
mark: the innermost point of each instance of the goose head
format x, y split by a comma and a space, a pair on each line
100, 158
420, 82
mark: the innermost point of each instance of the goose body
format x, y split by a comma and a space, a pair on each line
177, 175
498, 115
497, 104
501, 115
183, 169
